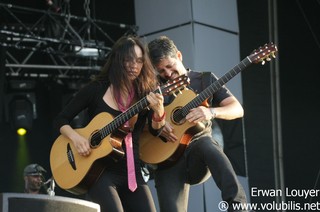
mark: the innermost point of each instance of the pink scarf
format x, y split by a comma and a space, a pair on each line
132, 183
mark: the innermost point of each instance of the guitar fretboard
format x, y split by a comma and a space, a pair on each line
123, 117
210, 90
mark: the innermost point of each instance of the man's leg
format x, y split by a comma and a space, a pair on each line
172, 189
204, 153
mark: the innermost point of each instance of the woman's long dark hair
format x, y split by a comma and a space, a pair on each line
114, 70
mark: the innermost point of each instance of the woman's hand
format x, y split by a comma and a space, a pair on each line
156, 104
80, 143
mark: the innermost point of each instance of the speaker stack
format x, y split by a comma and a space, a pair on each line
19, 202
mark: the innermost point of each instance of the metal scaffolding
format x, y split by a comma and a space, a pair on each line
54, 42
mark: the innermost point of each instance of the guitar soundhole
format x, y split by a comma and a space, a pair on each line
95, 140
177, 116
71, 157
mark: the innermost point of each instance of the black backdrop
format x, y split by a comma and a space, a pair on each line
299, 53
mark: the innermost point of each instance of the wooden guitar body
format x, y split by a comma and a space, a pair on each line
76, 173
153, 150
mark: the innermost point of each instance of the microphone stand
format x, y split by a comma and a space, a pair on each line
50, 189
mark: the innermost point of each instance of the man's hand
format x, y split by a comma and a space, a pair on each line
198, 114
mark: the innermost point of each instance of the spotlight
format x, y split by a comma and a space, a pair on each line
21, 111
21, 105
91, 49
21, 131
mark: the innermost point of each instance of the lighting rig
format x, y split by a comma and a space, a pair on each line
49, 44
56, 43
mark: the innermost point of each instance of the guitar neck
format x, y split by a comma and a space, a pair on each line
169, 87
214, 87
123, 117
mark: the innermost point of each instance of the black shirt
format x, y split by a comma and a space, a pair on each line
91, 98
199, 81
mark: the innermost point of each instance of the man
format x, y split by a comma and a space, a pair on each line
33, 179
203, 152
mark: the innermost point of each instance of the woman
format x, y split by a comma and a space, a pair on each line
126, 77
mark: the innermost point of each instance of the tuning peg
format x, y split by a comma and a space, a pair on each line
263, 62
273, 55
268, 58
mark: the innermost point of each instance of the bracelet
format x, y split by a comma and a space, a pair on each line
160, 119
213, 113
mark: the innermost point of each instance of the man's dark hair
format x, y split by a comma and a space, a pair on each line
160, 48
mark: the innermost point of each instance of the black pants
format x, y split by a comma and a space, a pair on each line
202, 154
112, 193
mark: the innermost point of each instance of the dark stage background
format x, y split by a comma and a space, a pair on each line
298, 57
299, 53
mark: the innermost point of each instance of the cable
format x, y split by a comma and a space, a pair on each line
308, 23
315, 185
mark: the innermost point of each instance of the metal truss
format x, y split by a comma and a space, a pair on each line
55, 43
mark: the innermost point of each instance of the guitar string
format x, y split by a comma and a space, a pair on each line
143, 103
181, 113
140, 105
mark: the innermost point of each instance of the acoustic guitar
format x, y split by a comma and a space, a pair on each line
155, 150
75, 173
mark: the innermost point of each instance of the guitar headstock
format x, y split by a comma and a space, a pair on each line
172, 86
263, 53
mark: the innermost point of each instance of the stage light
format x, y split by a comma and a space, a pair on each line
21, 131
21, 113
91, 49
87, 52
20, 105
